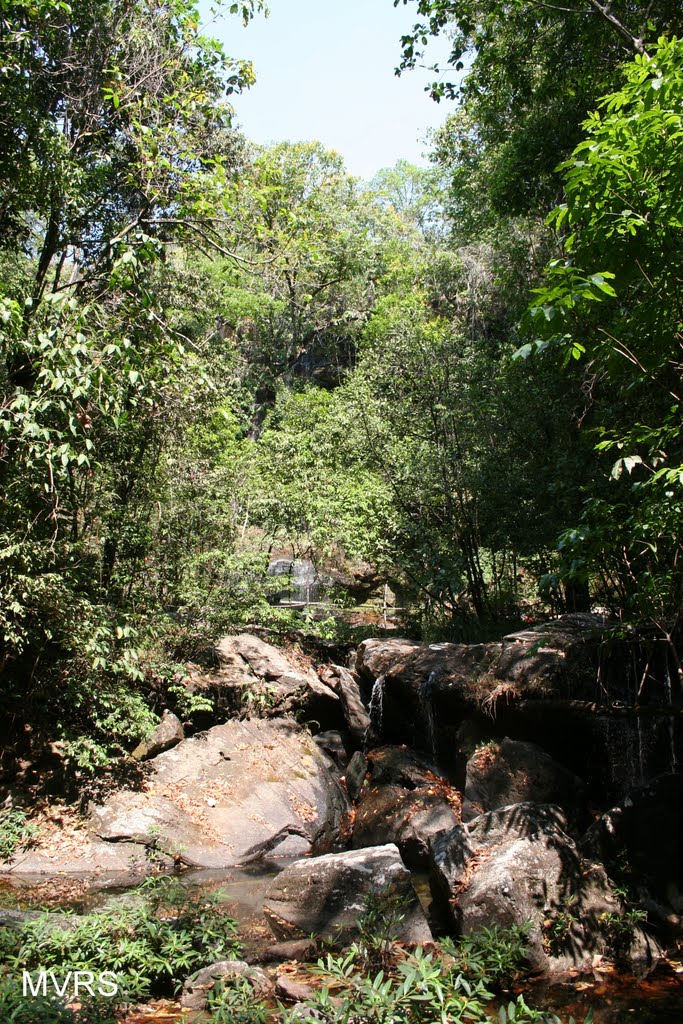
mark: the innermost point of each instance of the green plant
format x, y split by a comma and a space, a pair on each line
151, 945
556, 929
494, 954
420, 989
16, 831
234, 1003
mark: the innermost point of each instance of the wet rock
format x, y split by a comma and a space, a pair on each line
356, 770
238, 791
326, 895
511, 772
195, 994
399, 766
167, 734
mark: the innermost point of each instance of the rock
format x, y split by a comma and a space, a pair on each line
387, 814
399, 766
516, 865
356, 770
326, 896
167, 734
449, 854
252, 675
345, 685
295, 949
332, 743
292, 991
273, 789
195, 994
512, 772
89, 857
375, 658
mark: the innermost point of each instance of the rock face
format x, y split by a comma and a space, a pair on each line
512, 772
237, 791
326, 896
345, 685
251, 675
558, 685
517, 865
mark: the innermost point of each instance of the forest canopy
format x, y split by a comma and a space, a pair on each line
459, 382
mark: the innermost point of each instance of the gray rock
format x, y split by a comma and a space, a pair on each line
326, 895
195, 994
512, 772
250, 675
292, 991
239, 790
167, 734
449, 854
356, 770
516, 866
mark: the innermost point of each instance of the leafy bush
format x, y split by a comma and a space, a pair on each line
151, 946
15, 831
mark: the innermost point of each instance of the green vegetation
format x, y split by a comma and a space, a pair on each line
151, 944
464, 380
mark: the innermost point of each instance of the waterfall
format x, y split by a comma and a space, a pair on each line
376, 706
427, 708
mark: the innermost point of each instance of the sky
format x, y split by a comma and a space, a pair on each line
325, 71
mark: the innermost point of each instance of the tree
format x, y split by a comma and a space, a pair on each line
614, 302
533, 71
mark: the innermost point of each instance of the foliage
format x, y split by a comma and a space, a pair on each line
16, 831
613, 301
151, 944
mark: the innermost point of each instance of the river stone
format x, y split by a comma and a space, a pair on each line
230, 794
195, 994
512, 772
326, 895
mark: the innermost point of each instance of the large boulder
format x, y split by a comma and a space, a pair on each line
250, 675
326, 895
404, 803
236, 792
408, 818
512, 772
516, 866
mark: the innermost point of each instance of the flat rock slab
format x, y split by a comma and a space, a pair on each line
232, 793
326, 895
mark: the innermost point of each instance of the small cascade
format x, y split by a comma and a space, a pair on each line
376, 706
427, 709
671, 725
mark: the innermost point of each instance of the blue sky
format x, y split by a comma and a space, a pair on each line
325, 71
